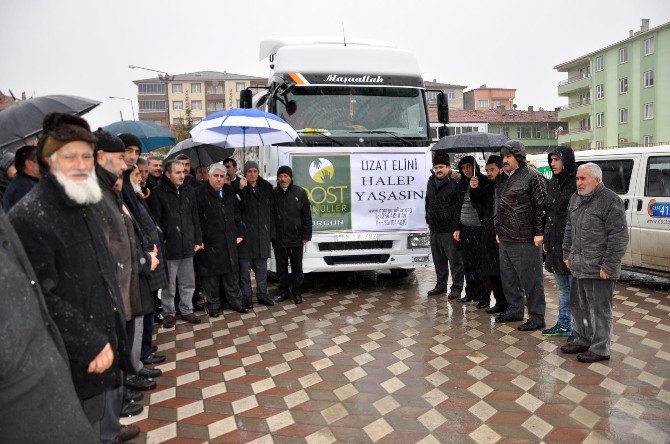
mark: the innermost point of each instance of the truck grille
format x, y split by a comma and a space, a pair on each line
356, 245
362, 259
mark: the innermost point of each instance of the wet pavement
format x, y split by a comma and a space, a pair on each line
369, 359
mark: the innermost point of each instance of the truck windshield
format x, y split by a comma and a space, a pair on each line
355, 111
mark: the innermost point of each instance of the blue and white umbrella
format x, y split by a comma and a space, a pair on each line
243, 127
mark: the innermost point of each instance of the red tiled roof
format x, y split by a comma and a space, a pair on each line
5, 101
496, 116
438, 85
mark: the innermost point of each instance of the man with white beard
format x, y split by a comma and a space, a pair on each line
67, 249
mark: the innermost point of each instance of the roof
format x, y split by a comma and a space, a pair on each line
438, 85
573, 62
203, 76
271, 46
497, 116
482, 88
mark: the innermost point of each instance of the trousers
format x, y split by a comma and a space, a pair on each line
444, 249
284, 255
591, 306
260, 267
521, 273
182, 268
229, 283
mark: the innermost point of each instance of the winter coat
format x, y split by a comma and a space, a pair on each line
69, 253
520, 212
17, 188
257, 216
443, 205
464, 182
483, 199
596, 234
190, 182
559, 191
221, 225
38, 403
176, 213
293, 216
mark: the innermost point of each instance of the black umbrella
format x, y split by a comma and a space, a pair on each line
200, 154
470, 142
22, 121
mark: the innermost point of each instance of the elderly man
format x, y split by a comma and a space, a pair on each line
28, 174
596, 236
519, 227
69, 253
175, 211
221, 226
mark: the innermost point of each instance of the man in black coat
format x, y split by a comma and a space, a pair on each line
38, 403
520, 228
560, 189
189, 180
483, 199
470, 233
221, 226
293, 229
28, 174
175, 210
68, 251
256, 201
443, 215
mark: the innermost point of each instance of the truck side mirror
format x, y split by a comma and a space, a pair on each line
442, 108
442, 132
246, 98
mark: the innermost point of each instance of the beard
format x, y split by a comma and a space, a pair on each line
84, 192
137, 188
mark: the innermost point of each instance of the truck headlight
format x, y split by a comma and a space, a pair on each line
418, 240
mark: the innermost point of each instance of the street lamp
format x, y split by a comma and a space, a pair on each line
131, 103
164, 77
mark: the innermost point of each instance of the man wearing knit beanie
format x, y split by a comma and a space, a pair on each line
293, 229
133, 147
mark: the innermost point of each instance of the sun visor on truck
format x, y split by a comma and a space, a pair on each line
354, 79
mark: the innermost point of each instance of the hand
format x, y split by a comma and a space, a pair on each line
538, 240
604, 275
243, 183
497, 239
474, 182
154, 260
239, 240
199, 247
155, 250
457, 235
566, 262
103, 361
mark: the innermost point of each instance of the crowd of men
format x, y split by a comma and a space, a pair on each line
496, 231
95, 233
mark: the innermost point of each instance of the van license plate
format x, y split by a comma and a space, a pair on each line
348, 237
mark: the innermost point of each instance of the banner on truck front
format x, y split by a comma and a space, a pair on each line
364, 191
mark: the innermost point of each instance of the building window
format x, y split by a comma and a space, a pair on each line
648, 111
599, 144
151, 88
152, 105
648, 79
623, 85
237, 103
451, 95
649, 46
623, 115
500, 130
196, 104
177, 104
623, 54
158, 122
482, 104
584, 72
176, 88
496, 104
600, 63
196, 121
584, 98
196, 87
218, 89
585, 124
536, 132
210, 106
177, 121
600, 120
219, 105
523, 132
600, 91
431, 96
649, 141
239, 86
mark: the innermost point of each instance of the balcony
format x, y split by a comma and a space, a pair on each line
579, 108
574, 83
574, 135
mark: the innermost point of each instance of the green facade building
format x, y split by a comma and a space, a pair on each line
619, 95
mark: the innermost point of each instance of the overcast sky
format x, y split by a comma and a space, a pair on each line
84, 47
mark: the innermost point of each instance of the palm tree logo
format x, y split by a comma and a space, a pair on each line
321, 170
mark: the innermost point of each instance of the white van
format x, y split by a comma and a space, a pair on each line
641, 177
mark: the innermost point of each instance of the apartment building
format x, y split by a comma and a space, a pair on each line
165, 99
619, 95
454, 93
489, 98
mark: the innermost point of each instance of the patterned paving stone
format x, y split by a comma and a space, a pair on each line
368, 359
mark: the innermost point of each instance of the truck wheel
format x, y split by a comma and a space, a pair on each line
399, 273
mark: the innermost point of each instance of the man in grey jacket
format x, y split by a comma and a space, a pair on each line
595, 240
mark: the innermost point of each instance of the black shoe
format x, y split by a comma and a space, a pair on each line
213, 313
131, 409
437, 291
191, 317
137, 382
466, 299
588, 356
282, 297
531, 325
297, 299
496, 309
168, 322
153, 359
128, 432
248, 305
508, 317
132, 396
240, 309
198, 307
158, 318
265, 301
150, 372
483, 304
573, 349
454, 294
153, 349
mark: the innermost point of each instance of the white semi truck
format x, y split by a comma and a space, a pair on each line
364, 154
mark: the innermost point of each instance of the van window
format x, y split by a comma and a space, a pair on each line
616, 174
658, 177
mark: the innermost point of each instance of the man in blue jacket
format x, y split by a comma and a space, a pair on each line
28, 174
